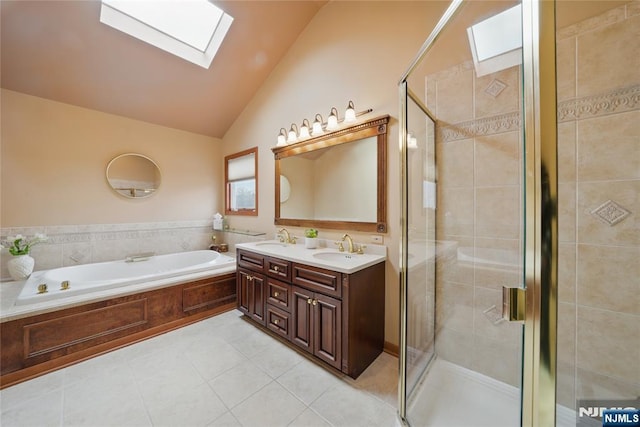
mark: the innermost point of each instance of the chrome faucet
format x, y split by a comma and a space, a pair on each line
287, 237
350, 242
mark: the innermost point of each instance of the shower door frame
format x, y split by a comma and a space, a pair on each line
539, 124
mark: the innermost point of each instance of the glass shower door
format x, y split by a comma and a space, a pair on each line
464, 160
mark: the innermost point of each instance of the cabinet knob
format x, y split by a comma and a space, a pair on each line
308, 300
275, 294
314, 302
275, 268
276, 321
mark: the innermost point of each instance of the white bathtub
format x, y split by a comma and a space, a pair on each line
87, 278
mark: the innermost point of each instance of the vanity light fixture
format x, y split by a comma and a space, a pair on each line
282, 138
350, 113
332, 120
304, 129
317, 125
293, 134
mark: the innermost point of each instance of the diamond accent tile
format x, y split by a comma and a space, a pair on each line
610, 213
495, 88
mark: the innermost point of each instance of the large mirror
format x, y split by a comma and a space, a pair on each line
133, 175
336, 180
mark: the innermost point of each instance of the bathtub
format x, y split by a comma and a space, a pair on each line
89, 278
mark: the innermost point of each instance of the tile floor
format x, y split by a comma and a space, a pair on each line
218, 372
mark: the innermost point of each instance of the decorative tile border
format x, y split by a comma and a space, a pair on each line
614, 102
487, 126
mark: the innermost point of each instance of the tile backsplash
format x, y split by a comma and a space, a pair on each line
82, 244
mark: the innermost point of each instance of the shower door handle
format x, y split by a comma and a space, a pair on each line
513, 304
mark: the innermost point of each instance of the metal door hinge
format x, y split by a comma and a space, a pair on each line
513, 304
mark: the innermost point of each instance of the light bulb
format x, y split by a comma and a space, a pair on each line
292, 134
317, 125
332, 120
350, 113
282, 138
304, 129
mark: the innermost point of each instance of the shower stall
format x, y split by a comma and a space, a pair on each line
520, 280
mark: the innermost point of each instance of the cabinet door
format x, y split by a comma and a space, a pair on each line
327, 329
257, 300
301, 312
244, 291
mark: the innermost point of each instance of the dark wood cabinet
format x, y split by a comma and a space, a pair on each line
336, 317
251, 300
317, 325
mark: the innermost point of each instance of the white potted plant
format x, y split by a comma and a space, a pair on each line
21, 265
311, 238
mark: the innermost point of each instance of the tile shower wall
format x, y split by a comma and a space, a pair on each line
83, 244
599, 184
479, 161
479, 191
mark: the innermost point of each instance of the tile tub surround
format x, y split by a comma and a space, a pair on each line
83, 244
599, 184
220, 371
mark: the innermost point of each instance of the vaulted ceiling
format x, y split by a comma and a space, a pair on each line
59, 50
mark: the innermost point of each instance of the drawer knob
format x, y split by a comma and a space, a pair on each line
275, 294
275, 268
276, 321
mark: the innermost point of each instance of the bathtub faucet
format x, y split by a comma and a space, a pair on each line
139, 257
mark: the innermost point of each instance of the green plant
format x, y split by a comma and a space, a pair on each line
19, 245
311, 233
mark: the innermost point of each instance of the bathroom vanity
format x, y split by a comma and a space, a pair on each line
327, 303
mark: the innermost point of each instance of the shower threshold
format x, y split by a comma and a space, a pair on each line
452, 396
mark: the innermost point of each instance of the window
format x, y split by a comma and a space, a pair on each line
192, 30
496, 42
241, 183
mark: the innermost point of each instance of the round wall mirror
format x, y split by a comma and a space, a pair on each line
285, 189
133, 175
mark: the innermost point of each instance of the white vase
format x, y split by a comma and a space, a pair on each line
310, 242
20, 267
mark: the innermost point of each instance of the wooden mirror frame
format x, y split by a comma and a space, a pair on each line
373, 127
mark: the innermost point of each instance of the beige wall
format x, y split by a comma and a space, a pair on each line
350, 51
54, 157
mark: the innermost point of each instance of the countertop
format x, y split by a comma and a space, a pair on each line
344, 263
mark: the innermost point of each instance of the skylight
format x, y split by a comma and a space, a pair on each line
190, 29
496, 42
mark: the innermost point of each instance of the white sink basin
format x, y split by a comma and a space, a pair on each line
336, 256
271, 244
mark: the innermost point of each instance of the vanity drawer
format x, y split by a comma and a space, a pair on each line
278, 268
279, 321
279, 294
250, 260
317, 279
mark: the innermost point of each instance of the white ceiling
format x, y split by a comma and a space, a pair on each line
59, 50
